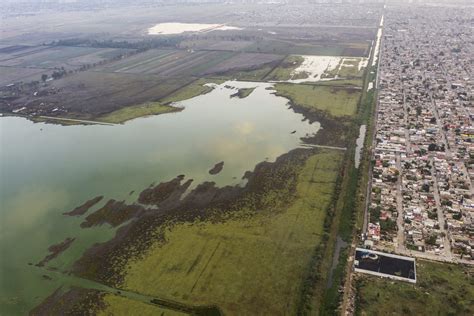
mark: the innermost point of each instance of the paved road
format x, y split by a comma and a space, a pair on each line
447, 245
400, 222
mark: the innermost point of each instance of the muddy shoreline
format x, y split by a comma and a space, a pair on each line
82, 209
333, 132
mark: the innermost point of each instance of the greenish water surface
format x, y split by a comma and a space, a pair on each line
46, 170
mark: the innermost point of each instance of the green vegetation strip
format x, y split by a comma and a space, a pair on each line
132, 112
194, 89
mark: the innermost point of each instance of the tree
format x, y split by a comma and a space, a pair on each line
44, 77
418, 110
432, 147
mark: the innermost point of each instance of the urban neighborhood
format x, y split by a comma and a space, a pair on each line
421, 183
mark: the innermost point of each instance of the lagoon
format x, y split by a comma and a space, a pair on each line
46, 170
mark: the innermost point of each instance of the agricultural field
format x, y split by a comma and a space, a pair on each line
245, 61
89, 94
441, 289
9, 75
51, 57
169, 63
215, 44
285, 47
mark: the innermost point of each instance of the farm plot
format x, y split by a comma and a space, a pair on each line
133, 64
215, 44
48, 57
245, 61
19, 51
170, 63
89, 94
10, 75
6, 49
320, 48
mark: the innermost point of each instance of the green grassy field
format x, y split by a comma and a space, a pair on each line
132, 112
251, 264
192, 90
335, 101
341, 83
122, 306
245, 75
441, 289
285, 47
285, 69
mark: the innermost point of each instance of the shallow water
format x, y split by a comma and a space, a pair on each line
316, 66
360, 145
46, 170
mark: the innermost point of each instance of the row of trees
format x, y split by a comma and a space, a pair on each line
57, 74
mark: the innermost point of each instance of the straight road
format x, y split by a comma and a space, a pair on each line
75, 120
400, 223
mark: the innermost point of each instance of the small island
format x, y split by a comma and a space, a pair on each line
242, 93
217, 168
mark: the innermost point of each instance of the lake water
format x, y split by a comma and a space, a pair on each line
46, 170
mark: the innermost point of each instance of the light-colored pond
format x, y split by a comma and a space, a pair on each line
46, 170
360, 144
178, 28
316, 67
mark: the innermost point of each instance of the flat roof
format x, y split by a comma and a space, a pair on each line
385, 265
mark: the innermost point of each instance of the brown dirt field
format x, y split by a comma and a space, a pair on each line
89, 94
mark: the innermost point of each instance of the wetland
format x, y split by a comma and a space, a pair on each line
74, 163
195, 161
